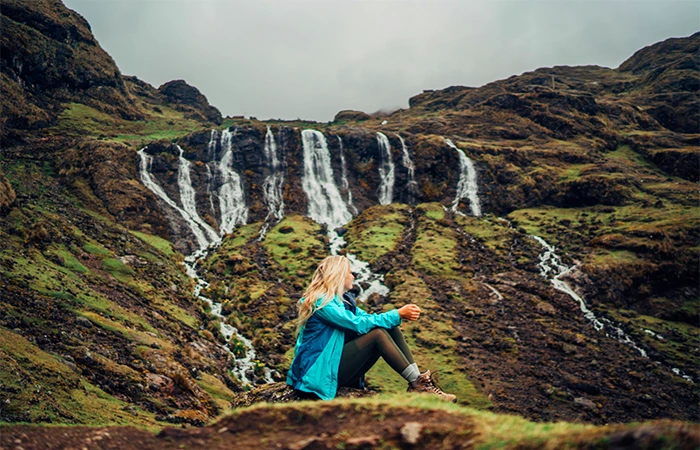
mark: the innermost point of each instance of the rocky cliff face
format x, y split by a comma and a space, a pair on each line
435, 166
50, 57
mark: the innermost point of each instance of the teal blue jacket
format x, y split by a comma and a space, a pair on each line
320, 343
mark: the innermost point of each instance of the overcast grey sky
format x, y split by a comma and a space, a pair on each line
313, 58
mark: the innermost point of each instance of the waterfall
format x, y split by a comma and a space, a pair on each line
150, 183
386, 171
326, 206
206, 239
210, 196
211, 146
324, 201
467, 186
553, 269
411, 168
344, 181
231, 200
272, 186
188, 195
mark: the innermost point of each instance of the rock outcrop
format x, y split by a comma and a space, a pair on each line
50, 57
350, 115
187, 98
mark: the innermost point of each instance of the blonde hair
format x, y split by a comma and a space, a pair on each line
327, 282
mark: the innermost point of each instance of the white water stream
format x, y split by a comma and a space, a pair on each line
150, 183
326, 206
344, 180
272, 186
210, 195
387, 171
206, 241
467, 186
231, 200
187, 197
411, 169
552, 268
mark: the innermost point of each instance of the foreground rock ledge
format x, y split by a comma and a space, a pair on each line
361, 423
282, 393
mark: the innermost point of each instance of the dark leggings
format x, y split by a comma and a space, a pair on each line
360, 354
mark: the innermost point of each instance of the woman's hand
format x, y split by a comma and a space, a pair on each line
409, 312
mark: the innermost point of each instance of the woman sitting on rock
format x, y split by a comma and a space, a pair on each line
338, 342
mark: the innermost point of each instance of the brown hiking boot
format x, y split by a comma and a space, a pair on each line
425, 383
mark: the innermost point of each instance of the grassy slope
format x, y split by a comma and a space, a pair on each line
65, 262
79, 120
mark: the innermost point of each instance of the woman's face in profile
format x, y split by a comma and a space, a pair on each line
349, 278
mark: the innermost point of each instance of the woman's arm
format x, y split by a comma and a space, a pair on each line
336, 315
406, 312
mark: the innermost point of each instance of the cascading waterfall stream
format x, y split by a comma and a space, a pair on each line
272, 186
211, 146
344, 180
243, 364
187, 197
211, 153
326, 206
149, 182
386, 171
231, 200
411, 169
206, 242
552, 268
467, 186
210, 195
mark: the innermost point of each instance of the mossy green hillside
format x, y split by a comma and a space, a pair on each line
432, 343
156, 242
39, 387
493, 232
218, 391
79, 285
376, 231
296, 246
434, 251
163, 122
679, 341
635, 225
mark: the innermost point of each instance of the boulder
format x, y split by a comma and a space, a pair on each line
179, 93
350, 115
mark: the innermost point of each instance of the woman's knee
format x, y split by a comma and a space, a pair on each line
377, 332
379, 335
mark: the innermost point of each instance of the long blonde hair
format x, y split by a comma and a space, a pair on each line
327, 282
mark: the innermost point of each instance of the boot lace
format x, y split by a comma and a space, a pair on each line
433, 386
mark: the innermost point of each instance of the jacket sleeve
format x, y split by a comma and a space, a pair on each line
337, 316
